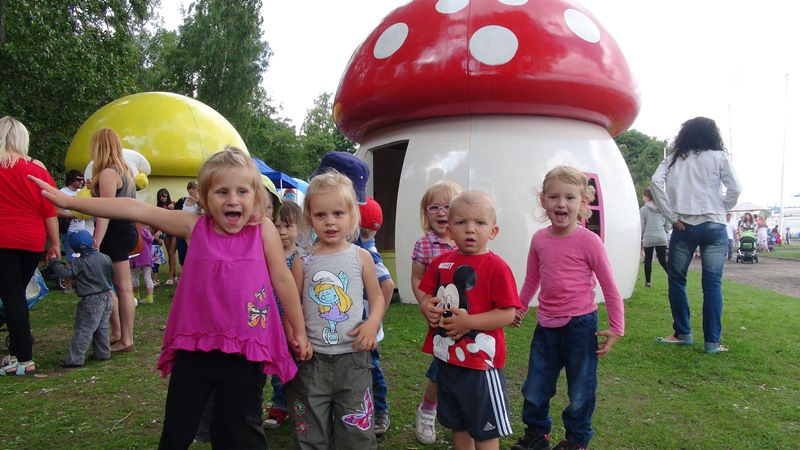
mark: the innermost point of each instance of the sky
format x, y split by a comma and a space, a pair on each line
736, 62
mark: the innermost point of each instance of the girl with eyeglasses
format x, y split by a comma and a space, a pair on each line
433, 211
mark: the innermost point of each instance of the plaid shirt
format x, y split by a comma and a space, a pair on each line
429, 247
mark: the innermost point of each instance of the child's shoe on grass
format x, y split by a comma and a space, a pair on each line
275, 418
533, 441
147, 300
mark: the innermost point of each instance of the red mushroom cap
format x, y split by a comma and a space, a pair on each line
436, 58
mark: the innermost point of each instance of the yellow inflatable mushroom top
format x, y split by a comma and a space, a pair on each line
174, 133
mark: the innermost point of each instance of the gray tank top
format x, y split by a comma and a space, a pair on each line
332, 300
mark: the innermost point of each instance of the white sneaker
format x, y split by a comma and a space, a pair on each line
426, 426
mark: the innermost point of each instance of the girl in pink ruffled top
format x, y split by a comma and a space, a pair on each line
223, 328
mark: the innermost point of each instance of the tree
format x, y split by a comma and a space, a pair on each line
61, 60
642, 154
220, 57
320, 135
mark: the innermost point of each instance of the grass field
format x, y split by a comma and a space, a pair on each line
649, 396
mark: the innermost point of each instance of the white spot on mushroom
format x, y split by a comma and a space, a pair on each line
390, 41
582, 26
493, 45
451, 6
514, 2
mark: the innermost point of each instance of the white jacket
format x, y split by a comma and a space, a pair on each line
690, 190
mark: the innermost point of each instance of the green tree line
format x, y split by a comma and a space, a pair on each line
61, 60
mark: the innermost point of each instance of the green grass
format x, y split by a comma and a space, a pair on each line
784, 252
649, 396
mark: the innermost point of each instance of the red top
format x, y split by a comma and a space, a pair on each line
24, 208
477, 283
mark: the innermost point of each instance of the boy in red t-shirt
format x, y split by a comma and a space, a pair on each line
470, 295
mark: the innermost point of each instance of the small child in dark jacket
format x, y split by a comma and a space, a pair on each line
91, 275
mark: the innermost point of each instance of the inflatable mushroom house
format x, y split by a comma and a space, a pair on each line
175, 134
492, 95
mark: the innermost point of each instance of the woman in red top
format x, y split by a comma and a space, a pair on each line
28, 219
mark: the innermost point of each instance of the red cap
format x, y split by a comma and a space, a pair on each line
435, 59
371, 214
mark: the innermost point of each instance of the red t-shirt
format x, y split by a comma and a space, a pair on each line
24, 209
477, 283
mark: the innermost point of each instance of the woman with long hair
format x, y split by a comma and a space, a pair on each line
686, 188
115, 238
26, 224
164, 200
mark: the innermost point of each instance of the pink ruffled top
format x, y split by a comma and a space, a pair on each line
225, 302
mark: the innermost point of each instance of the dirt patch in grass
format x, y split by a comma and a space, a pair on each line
770, 273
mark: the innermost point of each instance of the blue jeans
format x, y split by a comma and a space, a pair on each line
713, 242
278, 393
91, 327
730, 250
572, 347
379, 390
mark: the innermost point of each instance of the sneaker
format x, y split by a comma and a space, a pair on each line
275, 418
715, 350
381, 423
533, 441
426, 426
69, 290
647, 285
567, 445
148, 300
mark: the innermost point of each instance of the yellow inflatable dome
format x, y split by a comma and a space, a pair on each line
174, 132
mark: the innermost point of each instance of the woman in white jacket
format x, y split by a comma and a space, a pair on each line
654, 235
686, 187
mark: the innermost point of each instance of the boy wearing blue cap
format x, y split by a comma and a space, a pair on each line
91, 275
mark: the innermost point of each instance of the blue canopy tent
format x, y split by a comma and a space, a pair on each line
279, 179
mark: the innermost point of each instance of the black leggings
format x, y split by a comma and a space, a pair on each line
234, 382
16, 270
661, 253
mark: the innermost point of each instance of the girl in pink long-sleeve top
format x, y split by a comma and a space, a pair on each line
564, 261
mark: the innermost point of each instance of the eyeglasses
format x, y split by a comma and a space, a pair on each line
434, 209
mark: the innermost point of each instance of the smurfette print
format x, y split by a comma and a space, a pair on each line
330, 293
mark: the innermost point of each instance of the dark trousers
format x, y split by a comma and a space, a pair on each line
232, 379
16, 270
661, 254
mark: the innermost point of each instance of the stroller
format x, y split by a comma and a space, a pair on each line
33, 293
747, 248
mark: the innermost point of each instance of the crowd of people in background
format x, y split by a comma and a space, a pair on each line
317, 265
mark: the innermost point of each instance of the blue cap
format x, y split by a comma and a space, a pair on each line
350, 166
82, 242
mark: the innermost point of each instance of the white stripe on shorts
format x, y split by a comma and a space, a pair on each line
498, 398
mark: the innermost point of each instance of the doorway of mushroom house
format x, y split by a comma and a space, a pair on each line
387, 165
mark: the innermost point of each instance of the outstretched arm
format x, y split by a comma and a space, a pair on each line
176, 223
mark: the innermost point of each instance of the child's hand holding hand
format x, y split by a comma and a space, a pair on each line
457, 325
518, 316
302, 347
431, 310
366, 335
611, 338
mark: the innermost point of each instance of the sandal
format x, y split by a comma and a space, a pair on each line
168, 282
715, 350
6, 360
17, 368
674, 341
